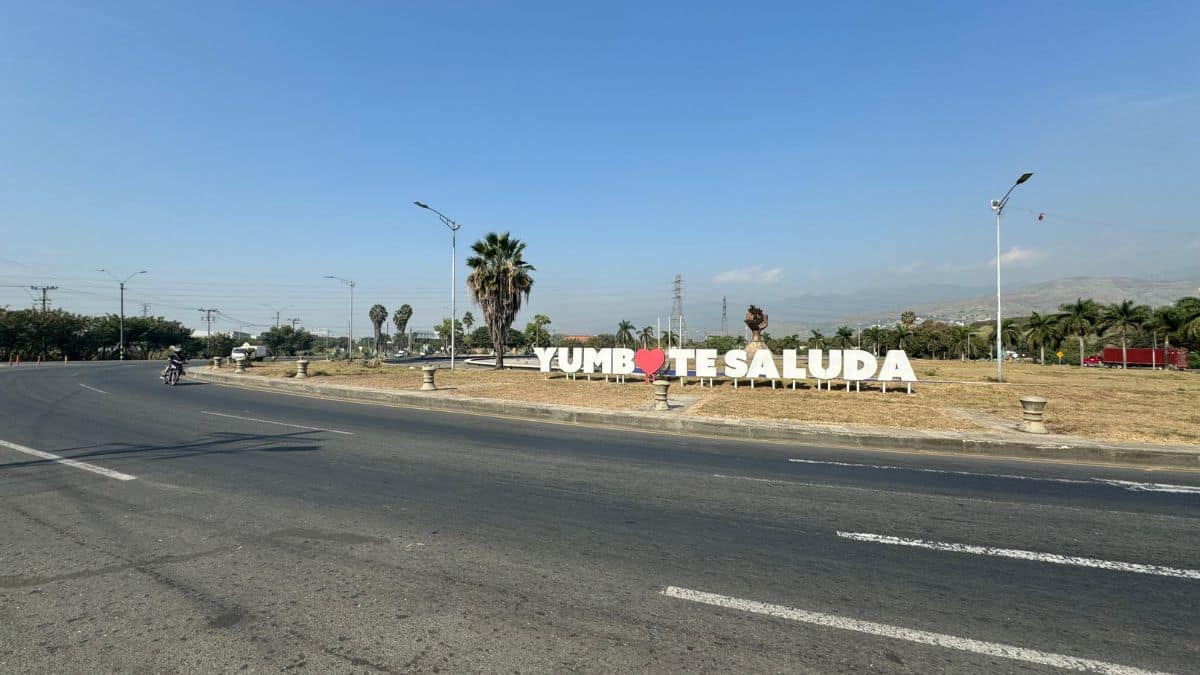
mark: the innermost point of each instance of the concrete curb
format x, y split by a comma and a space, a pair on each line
755, 430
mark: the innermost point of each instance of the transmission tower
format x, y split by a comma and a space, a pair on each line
45, 290
724, 316
145, 309
677, 309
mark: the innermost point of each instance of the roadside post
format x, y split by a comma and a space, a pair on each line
1032, 412
301, 368
660, 394
427, 378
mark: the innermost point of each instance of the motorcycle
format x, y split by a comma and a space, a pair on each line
172, 374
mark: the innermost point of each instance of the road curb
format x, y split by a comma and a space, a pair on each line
754, 430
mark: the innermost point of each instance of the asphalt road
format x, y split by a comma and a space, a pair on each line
213, 529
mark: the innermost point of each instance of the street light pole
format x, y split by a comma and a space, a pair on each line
453, 275
998, 206
350, 335
122, 284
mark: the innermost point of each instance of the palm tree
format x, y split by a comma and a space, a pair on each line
646, 337
844, 337
625, 333
908, 318
1078, 318
468, 320
902, 333
1121, 318
1009, 335
378, 315
670, 337
499, 282
400, 319
962, 341
1041, 330
874, 335
816, 340
1188, 310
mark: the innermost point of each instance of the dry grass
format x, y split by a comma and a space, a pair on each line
1110, 405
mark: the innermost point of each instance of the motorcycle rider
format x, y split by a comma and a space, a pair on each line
174, 360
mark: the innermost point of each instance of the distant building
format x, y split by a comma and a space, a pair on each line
235, 334
577, 338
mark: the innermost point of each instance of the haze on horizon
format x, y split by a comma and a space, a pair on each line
240, 153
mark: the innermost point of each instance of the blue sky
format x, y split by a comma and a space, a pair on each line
241, 151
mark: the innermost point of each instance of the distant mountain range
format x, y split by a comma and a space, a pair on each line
946, 302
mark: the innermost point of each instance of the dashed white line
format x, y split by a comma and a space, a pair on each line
942, 471
98, 391
282, 424
1132, 486
994, 649
109, 473
1020, 554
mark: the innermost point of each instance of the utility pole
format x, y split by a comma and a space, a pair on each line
676, 309
145, 310
350, 337
44, 290
294, 321
998, 206
454, 227
208, 314
724, 316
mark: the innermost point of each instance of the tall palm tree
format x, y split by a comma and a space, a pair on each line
400, 319
625, 333
874, 335
1188, 311
378, 315
902, 333
1079, 318
1041, 330
646, 337
844, 337
499, 282
1121, 318
908, 318
816, 340
1009, 334
468, 320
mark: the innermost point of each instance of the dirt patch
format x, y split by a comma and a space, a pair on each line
1109, 405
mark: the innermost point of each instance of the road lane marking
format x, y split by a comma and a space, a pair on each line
109, 473
98, 391
1132, 486
994, 649
918, 469
1020, 554
282, 424
1151, 487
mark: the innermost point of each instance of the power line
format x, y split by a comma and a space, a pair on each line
44, 290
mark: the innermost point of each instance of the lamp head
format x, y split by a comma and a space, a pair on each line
1024, 177
422, 205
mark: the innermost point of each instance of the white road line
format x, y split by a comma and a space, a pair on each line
282, 424
109, 473
1151, 487
994, 649
942, 471
1025, 555
1132, 486
98, 391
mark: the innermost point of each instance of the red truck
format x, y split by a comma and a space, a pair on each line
1140, 357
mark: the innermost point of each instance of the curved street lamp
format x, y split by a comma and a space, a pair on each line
998, 206
454, 226
350, 335
122, 283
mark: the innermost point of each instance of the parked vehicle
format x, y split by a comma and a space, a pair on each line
1140, 357
252, 352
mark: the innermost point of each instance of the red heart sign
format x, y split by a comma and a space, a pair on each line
649, 360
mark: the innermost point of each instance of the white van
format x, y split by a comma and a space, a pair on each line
252, 352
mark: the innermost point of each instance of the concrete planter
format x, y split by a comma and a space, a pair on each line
427, 378
660, 395
1032, 411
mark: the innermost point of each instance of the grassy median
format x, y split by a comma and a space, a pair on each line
1111, 405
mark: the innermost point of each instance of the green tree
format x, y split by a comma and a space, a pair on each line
721, 343
468, 320
874, 337
817, 340
480, 337
625, 333
536, 332
1040, 331
400, 319
1122, 318
902, 333
1079, 319
499, 282
378, 315
908, 318
443, 331
844, 337
646, 337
